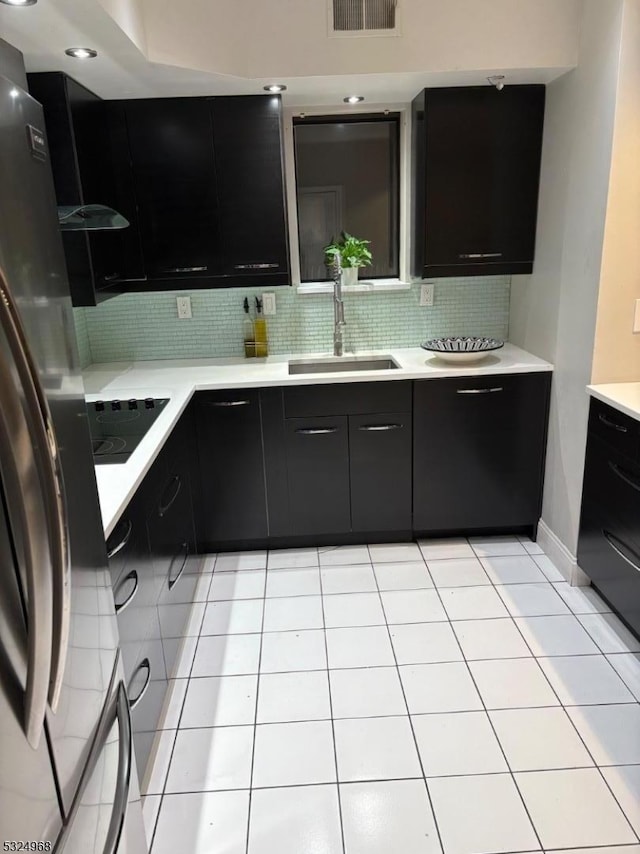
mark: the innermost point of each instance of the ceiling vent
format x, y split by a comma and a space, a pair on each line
363, 17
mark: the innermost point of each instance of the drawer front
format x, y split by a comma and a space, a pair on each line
611, 559
612, 487
347, 399
615, 428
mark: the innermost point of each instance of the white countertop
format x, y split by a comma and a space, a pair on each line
178, 379
622, 396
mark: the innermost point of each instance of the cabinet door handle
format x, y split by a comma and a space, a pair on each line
174, 581
164, 507
609, 423
111, 277
185, 270
624, 475
316, 431
131, 576
380, 428
145, 664
261, 266
479, 390
225, 404
472, 256
617, 545
113, 551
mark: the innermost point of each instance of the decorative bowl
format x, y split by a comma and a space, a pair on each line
462, 350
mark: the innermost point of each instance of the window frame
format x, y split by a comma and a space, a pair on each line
403, 114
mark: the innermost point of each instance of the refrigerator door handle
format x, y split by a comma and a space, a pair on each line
123, 780
53, 491
28, 514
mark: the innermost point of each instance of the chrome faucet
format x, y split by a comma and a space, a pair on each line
338, 307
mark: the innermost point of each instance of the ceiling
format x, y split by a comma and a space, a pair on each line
153, 48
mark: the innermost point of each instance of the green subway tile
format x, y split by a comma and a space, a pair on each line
145, 326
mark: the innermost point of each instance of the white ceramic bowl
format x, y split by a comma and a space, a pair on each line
460, 350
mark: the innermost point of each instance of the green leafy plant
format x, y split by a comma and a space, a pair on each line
353, 251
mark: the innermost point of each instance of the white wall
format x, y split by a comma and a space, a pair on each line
616, 356
128, 15
554, 310
289, 38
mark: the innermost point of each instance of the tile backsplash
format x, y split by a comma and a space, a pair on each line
145, 326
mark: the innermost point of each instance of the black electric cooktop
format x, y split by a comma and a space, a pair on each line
118, 426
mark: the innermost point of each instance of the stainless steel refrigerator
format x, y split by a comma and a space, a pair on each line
67, 771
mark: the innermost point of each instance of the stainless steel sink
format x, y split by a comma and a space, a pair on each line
337, 365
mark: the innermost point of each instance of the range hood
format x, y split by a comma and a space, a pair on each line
90, 218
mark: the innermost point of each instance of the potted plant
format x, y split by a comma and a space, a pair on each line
353, 255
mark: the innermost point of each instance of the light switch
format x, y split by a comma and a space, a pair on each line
427, 293
636, 317
269, 304
184, 308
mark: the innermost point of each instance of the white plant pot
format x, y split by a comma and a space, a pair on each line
349, 276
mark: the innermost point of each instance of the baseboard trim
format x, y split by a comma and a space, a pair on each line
560, 555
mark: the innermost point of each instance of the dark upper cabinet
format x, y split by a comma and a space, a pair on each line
476, 167
478, 452
80, 152
247, 134
233, 505
174, 184
202, 179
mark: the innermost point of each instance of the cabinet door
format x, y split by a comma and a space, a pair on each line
171, 147
318, 475
248, 145
233, 506
478, 452
380, 466
478, 179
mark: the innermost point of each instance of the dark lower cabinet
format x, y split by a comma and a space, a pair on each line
380, 472
231, 462
317, 451
478, 452
609, 540
154, 571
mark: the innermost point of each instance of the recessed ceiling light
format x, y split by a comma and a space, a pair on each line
353, 99
275, 88
81, 52
19, 2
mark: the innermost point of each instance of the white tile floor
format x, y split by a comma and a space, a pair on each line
445, 697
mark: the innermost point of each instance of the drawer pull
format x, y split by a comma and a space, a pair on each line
262, 266
617, 545
225, 404
163, 507
479, 390
474, 256
624, 475
113, 551
145, 664
173, 581
131, 576
316, 431
380, 428
609, 423
185, 270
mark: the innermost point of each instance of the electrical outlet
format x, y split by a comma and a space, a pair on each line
184, 308
269, 304
636, 317
427, 293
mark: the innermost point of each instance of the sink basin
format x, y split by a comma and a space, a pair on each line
342, 364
